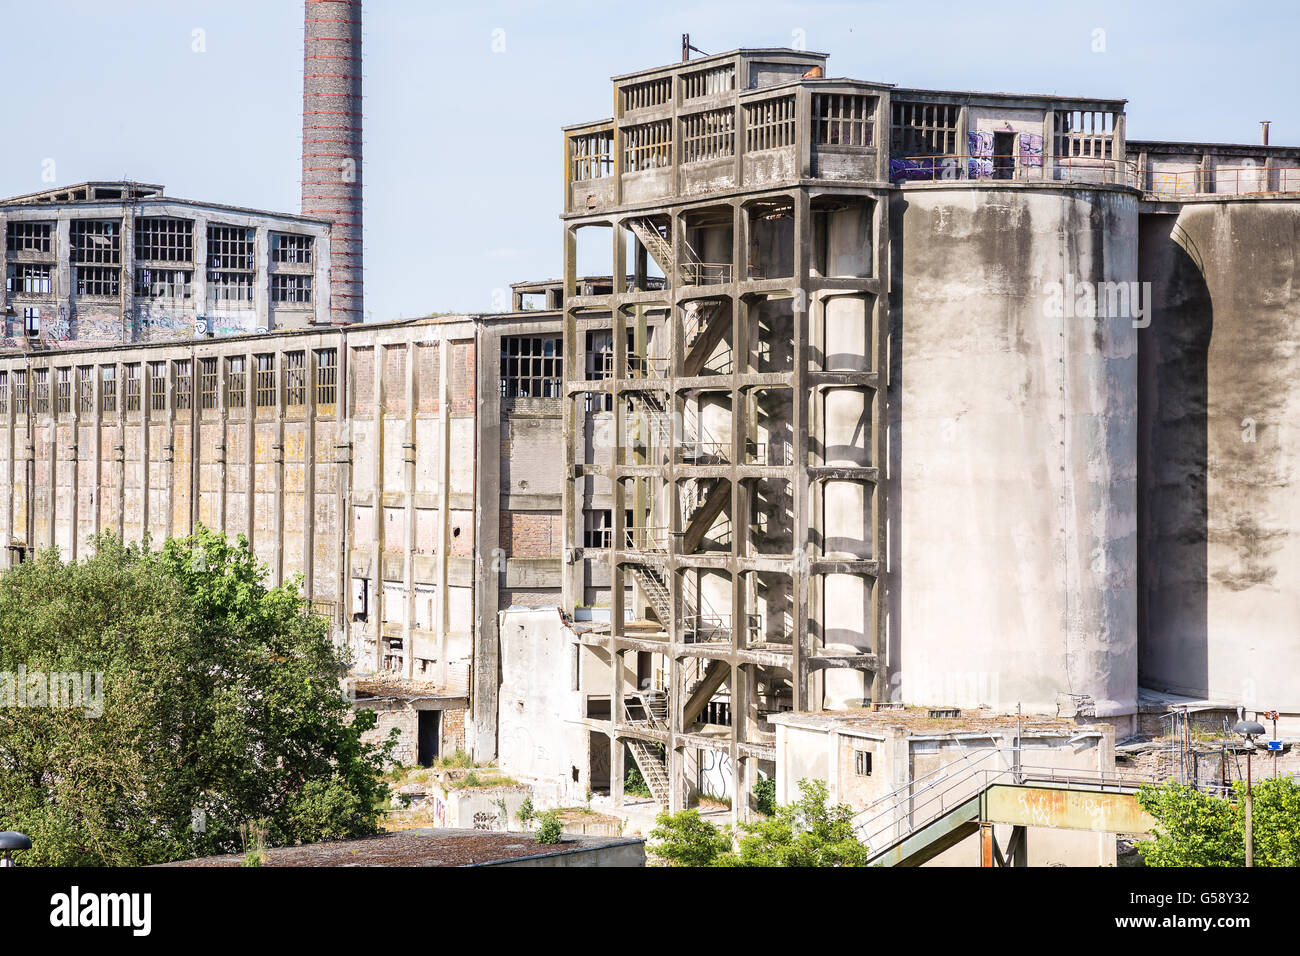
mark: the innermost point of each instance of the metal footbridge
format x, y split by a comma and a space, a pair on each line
933, 813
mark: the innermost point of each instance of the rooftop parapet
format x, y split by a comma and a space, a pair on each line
746, 120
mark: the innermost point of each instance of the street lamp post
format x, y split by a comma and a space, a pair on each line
10, 841
1249, 729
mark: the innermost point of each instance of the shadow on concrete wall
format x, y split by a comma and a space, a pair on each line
1172, 458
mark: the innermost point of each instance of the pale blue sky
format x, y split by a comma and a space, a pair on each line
462, 144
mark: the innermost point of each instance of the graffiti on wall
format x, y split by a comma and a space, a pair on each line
979, 145
715, 774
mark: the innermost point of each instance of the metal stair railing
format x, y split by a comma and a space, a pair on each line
904, 816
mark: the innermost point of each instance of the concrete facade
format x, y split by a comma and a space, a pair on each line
886, 764
112, 263
357, 458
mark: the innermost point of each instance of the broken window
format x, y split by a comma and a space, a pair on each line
26, 279
640, 96
287, 247
164, 240
208, 383
96, 241
98, 280
648, 146
182, 383
41, 391
769, 124
29, 236
20, 393
131, 388
163, 283
4, 393
862, 763
709, 82
841, 119
531, 367
230, 287
592, 155
922, 129
108, 389
295, 379
326, 380
63, 391
264, 387
708, 135
291, 288
236, 378
598, 527
32, 321
85, 390
158, 386
1084, 133
231, 264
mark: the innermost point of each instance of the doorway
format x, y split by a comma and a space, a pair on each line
427, 730
1004, 155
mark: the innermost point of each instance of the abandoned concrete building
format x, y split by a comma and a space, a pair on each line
847, 394
114, 262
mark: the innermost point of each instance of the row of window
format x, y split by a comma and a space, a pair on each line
838, 119
158, 239
147, 383
38, 279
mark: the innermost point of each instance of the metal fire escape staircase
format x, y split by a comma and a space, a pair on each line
702, 329
649, 710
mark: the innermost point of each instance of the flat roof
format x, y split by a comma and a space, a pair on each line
421, 846
715, 57
917, 721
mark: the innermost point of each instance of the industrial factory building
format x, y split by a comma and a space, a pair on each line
938, 398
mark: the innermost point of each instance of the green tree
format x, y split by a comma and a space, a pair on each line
1194, 828
804, 833
685, 838
221, 705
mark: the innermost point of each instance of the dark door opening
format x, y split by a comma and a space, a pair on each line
427, 751
1004, 155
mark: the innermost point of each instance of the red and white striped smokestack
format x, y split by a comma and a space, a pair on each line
331, 143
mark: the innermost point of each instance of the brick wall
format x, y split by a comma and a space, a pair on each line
530, 534
463, 393
395, 380
426, 377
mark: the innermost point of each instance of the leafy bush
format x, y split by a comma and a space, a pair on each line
804, 833
550, 828
765, 795
1194, 828
526, 814
685, 838
221, 703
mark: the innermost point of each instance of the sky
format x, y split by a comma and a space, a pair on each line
464, 100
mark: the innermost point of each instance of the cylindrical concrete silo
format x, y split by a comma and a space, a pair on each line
1013, 449
1220, 459
331, 143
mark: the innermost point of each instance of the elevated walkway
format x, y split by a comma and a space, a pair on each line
919, 821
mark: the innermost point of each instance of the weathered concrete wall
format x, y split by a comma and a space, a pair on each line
1012, 442
898, 759
1219, 403
540, 738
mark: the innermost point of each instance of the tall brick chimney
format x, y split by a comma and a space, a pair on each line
331, 143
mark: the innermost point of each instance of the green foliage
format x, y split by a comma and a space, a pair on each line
765, 796
550, 828
457, 761
1197, 829
525, 814
633, 783
685, 838
221, 704
804, 833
